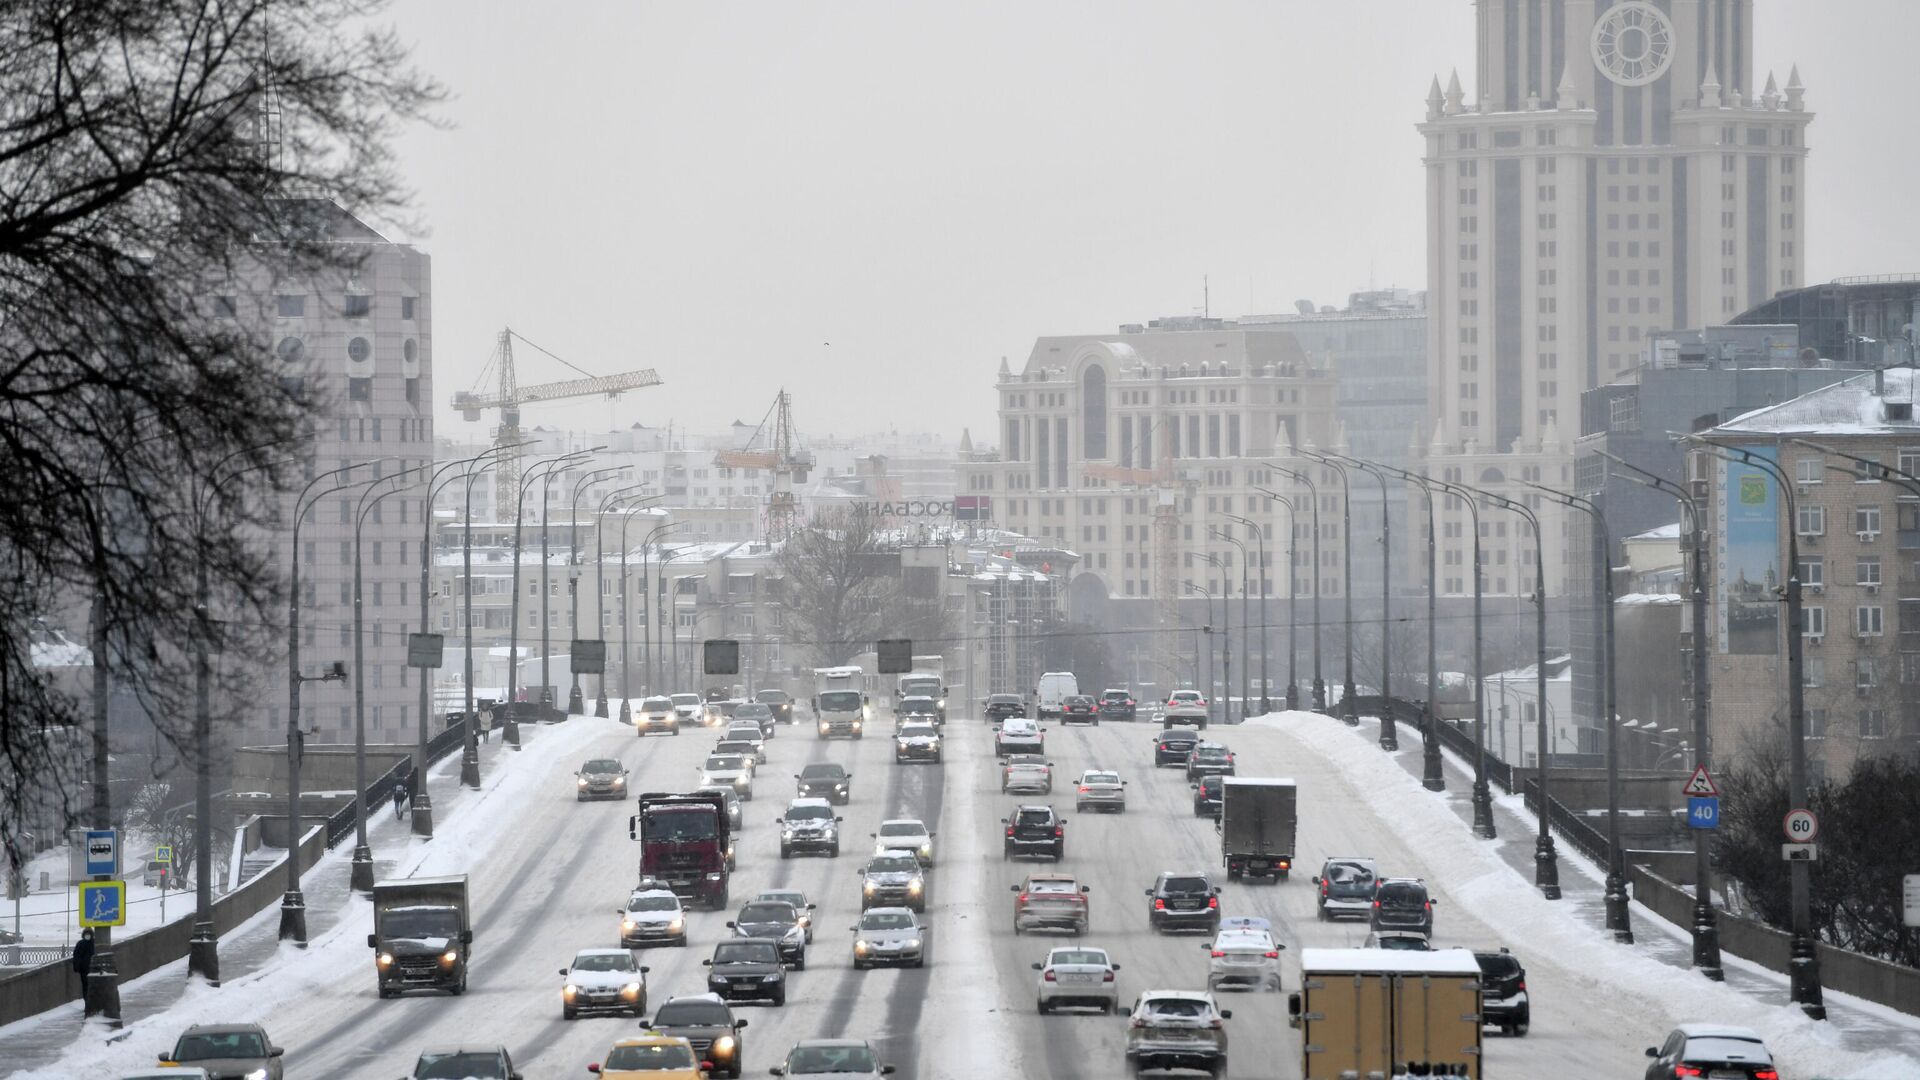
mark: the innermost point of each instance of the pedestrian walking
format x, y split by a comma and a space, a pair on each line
83, 959
486, 725
399, 796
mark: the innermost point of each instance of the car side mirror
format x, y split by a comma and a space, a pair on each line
1013, 888
730, 925
166, 1059
706, 963
1653, 1051
1226, 1014
1086, 888
886, 1070
644, 969
594, 1068
1039, 967
1316, 881
563, 971
853, 929
875, 835
1195, 787
836, 821
277, 1051
466, 937
373, 941
776, 1071
1430, 900
738, 1024
1216, 890
1115, 967
1149, 892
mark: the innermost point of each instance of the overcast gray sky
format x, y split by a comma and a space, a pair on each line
720, 190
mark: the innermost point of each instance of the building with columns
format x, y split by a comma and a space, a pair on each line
1620, 169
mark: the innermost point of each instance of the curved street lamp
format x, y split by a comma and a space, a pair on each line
1260, 540
1482, 794
1313, 496
540, 470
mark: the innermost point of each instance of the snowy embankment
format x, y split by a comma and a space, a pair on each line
1493, 892
464, 833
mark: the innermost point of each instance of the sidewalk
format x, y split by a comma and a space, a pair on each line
1582, 887
38, 1041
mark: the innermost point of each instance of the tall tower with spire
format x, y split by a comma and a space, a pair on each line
1615, 173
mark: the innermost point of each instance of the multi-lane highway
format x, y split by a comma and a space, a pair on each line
550, 885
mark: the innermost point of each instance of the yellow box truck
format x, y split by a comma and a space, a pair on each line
1375, 1014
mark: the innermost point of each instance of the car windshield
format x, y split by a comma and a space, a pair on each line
1211, 753
224, 1044
1210, 786
805, 813
1052, 886
458, 1065
1187, 1007
653, 903
798, 900
771, 697
918, 705
1035, 817
886, 920
730, 745
830, 1059
420, 922
657, 704
1101, 778
686, 699
840, 700
1078, 956
601, 765
1401, 943
1498, 965
1402, 895
913, 830
916, 731
892, 864
651, 1056
1342, 873
822, 772
1725, 1048
766, 913
1117, 695
1185, 885
752, 708
747, 952
620, 961
693, 1014
726, 763
1017, 726
680, 826
1004, 699
1177, 735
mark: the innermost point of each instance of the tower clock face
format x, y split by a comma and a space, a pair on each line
1633, 43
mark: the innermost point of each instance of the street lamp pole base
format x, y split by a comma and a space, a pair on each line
1349, 706
600, 707
1389, 729
1706, 941
1483, 811
423, 814
510, 731
576, 703
626, 711
1432, 777
1546, 866
1293, 698
362, 876
1803, 976
470, 768
1618, 920
103, 988
203, 953
293, 917
1319, 696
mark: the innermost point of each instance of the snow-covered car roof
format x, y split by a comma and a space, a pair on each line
661, 891
810, 803
603, 952
898, 853
1718, 1031
914, 822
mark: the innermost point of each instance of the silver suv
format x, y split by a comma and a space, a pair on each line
1177, 1029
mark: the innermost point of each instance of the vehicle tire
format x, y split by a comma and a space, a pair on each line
858, 965
459, 988
1017, 931
1320, 913
385, 993
833, 852
920, 961
1079, 808
579, 798
569, 1014
801, 963
1519, 1030
786, 852
780, 996
1040, 1007
1059, 852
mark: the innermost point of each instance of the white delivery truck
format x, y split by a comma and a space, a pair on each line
840, 703
1055, 687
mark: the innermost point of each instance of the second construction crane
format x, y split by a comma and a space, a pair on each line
511, 396
771, 447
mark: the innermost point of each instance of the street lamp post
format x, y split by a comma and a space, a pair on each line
646, 610
1266, 683
1619, 917
541, 471
1433, 777
1246, 665
362, 869
1226, 636
1803, 966
293, 904
672, 629
600, 582
1313, 494
1389, 729
470, 753
1482, 794
1706, 928
420, 809
626, 646
1546, 865
576, 704
1207, 630
1349, 711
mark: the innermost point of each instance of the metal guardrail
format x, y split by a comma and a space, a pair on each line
445, 742
1572, 827
32, 955
1459, 739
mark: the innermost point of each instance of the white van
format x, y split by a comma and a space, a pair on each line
1055, 687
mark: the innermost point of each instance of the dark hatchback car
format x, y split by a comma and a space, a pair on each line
781, 703
1503, 992
759, 714
1118, 705
747, 968
465, 1063
1187, 901
1035, 830
774, 920
1172, 746
1001, 706
1209, 759
1711, 1050
1402, 904
1079, 709
1206, 796
227, 1051
707, 1024
1347, 884
825, 780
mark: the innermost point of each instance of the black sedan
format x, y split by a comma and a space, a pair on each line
1079, 709
747, 968
1172, 746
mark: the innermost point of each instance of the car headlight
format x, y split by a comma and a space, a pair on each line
713, 877
619, 781
632, 989
926, 851
868, 888
914, 885
628, 925
675, 926
723, 1046
840, 786
742, 781
385, 959
449, 956
860, 947
824, 725
856, 725
913, 943
943, 703
256, 1074
568, 991
581, 782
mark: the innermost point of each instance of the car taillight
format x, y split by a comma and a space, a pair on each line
1159, 905
1058, 831
1428, 905
1084, 789
1010, 833
1129, 701
1323, 886
1048, 976
1108, 977
1766, 1074
1522, 986
1214, 1023
1023, 898
1218, 954
1137, 1022
1213, 902
1376, 903
1688, 1070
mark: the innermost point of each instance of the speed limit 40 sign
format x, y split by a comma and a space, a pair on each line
1800, 826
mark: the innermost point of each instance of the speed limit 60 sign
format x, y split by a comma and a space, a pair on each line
1800, 826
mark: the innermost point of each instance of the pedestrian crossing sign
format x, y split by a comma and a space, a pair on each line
103, 903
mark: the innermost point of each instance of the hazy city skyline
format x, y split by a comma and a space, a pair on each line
871, 192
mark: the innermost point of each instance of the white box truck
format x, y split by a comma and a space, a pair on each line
840, 702
1381, 1012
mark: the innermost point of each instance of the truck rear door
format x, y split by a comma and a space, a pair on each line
1438, 1020
1347, 1026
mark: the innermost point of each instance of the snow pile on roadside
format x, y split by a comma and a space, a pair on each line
462, 838
963, 949
1476, 877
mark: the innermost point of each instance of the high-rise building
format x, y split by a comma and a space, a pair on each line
1616, 174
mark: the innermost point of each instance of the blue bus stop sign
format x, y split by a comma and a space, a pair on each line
1703, 812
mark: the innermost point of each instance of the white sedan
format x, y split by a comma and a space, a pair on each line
1077, 978
1244, 955
905, 834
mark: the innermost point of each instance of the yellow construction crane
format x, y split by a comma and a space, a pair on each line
776, 454
1167, 485
511, 396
